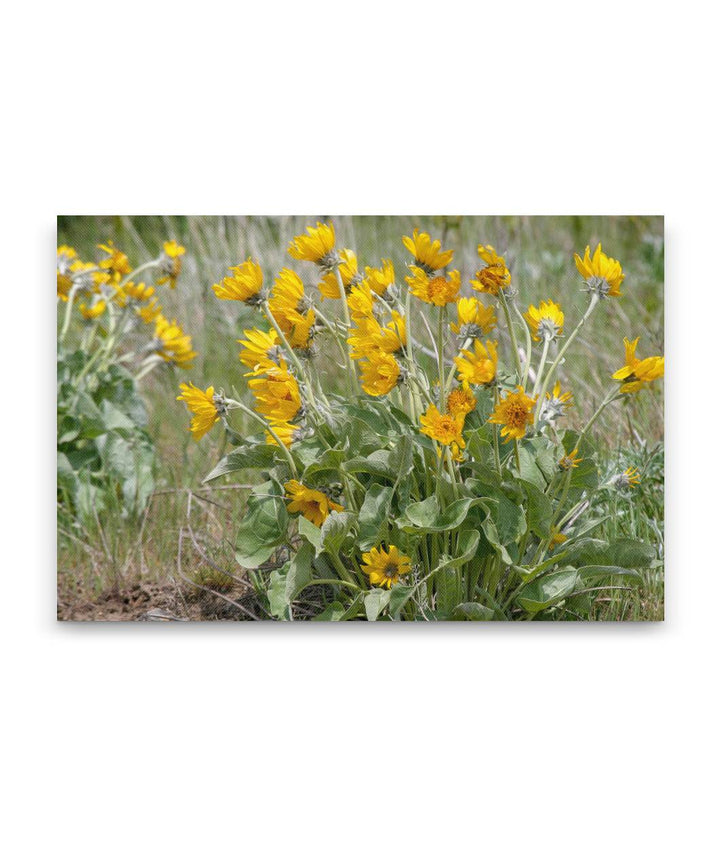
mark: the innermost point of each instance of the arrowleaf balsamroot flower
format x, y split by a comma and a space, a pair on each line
277, 395
385, 567
556, 403
150, 312
361, 302
443, 427
348, 268
428, 254
438, 290
314, 505
116, 264
317, 246
139, 293
480, 365
545, 321
286, 432
514, 412
473, 318
461, 401
570, 460
393, 336
290, 308
172, 343
495, 275
245, 284
629, 478
602, 274
202, 405
92, 312
260, 349
380, 373
171, 263
556, 538
636, 373
380, 279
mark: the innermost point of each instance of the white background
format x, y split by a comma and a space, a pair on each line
498, 739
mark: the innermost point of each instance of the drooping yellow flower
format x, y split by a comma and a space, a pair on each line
276, 391
461, 401
380, 373
260, 348
393, 336
94, 311
285, 431
290, 308
137, 292
66, 256
364, 338
172, 343
636, 373
380, 279
313, 504
150, 312
244, 284
428, 254
171, 263
202, 405
348, 268
545, 321
473, 318
602, 274
361, 302
443, 427
438, 290
514, 412
116, 263
570, 460
385, 567
629, 478
480, 365
495, 275
317, 246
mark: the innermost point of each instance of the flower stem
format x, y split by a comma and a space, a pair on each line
511, 330
237, 405
441, 355
528, 344
541, 367
346, 315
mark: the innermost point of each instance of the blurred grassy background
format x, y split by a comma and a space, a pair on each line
539, 252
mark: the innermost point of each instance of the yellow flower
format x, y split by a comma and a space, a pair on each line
285, 431
260, 348
361, 302
629, 478
287, 305
66, 256
436, 289
461, 401
317, 246
380, 374
380, 279
556, 537
245, 284
514, 413
171, 343
428, 253
116, 264
364, 340
348, 267
637, 373
495, 275
479, 367
171, 263
91, 312
545, 321
277, 395
203, 407
393, 336
312, 504
569, 461
443, 427
473, 318
602, 274
385, 567
150, 312
139, 292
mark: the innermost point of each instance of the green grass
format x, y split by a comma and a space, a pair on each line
539, 251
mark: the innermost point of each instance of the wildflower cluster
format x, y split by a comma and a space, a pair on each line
409, 468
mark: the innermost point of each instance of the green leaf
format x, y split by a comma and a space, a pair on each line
373, 516
624, 552
300, 571
335, 530
529, 470
539, 510
375, 601
490, 530
472, 612
331, 459
277, 593
259, 457
591, 573
548, 590
376, 464
467, 544
426, 516
399, 596
311, 532
264, 526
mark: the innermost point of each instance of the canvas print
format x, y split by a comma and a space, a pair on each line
374, 419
